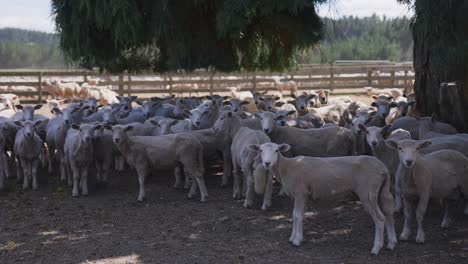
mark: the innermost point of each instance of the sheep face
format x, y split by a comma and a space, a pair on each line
408, 150
236, 105
322, 96
28, 127
282, 117
126, 101
269, 153
223, 123
269, 102
165, 125
86, 131
268, 121
257, 95
383, 107
376, 135
197, 116
119, 134
92, 103
304, 100
28, 111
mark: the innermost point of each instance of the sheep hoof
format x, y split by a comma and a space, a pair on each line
75, 195
420, 238
203, 200
391, 245
247, 205
404, 236
296, 243
445, 224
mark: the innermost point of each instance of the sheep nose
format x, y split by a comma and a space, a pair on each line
87, 139
116, 140
302, 107
283, 123
197, 123
374, 143
409, 162
267, 164
67, 122
28, 134
256, 102
269, 108
266, 130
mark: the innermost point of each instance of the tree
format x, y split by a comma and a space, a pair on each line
440, 34
163, 35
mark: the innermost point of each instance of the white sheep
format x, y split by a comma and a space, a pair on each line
321, 178
284, 86
442, 174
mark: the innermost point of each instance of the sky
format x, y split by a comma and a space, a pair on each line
35, 14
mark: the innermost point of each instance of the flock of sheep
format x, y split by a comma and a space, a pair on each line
314, 146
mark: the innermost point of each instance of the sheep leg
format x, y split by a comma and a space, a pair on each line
408, 209
98, 172
198, 176
25, 167
298, 218
142, 172
268, 192
398, 200
249, 193
84, 181
19, 170
227, 167
178, 177
193, 190
378, 217
420, 212
51, 160
386, 201
236, 174
188, 180
76, 178
244, 185
448, 204
34, 165
2, 179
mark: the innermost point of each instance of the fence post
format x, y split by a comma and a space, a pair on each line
369, 78
211, 82
332, 78
254, 82
85, 77
129, 86
39, 88
392, 74
170, 84
121, 86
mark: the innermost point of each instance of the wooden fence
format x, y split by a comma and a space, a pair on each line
339, 79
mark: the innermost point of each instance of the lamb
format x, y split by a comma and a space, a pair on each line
106, 95
259, 104
9, 100
283, 119
304, 176
320, 142
442, 174
79, 155
51, 88
303, 101
383, 111
54, 103
269, 102
175, 151
28, 150
393, 92
282, 86
67, 90
103, 155
236, 93
242, 159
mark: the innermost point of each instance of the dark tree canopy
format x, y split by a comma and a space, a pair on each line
440, 34
163, 35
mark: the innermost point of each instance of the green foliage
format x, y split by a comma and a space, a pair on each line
29, 49
368, 38
164, 35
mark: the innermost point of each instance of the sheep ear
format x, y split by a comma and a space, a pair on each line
138, 102
411, 103
186, 113
293, 96
56, 110
118, 98
385, 132
133, 97
18, 123
225, 97
108, 126
97, 127
277, 98
227, 103
362, 127
19, 107
244, 103
254, 147
38, 122
311, 96
154, 122
229, 114
128, 128
425, 144
292, 112
209, 97
258, 114
75, 126
261, 98
389, 98
264, 92
374, 104
284, 147
393, 104
392, 144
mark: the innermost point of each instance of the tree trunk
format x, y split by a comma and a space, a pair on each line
440, 33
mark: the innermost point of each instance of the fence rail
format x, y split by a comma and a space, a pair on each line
347, 78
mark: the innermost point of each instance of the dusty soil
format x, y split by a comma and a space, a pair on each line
109, 226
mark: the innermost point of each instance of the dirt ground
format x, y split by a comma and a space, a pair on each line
109, 226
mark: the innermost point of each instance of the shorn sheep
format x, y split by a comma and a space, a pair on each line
442, 174
322, 178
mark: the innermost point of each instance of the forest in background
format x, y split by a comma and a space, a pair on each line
347, 38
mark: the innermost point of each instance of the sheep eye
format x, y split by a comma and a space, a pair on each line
399, 148
260, 151
352, 124
276, 151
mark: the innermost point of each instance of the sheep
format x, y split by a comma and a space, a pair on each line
126, 101
106, 95
175, 151
54, 103
231, 125
429, 128
9, 100
3, 162
28, 150
259, 104
159, 107
320, 142
170, 126
383, 111
239, 106
282, 86
236, 93
442, 174
411, 124
394, 92
309, 120
332, 113
26, 114
283, 119
304, 176
67, 90
51, 88
269, 102
303, 101
79, 155
103, 156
